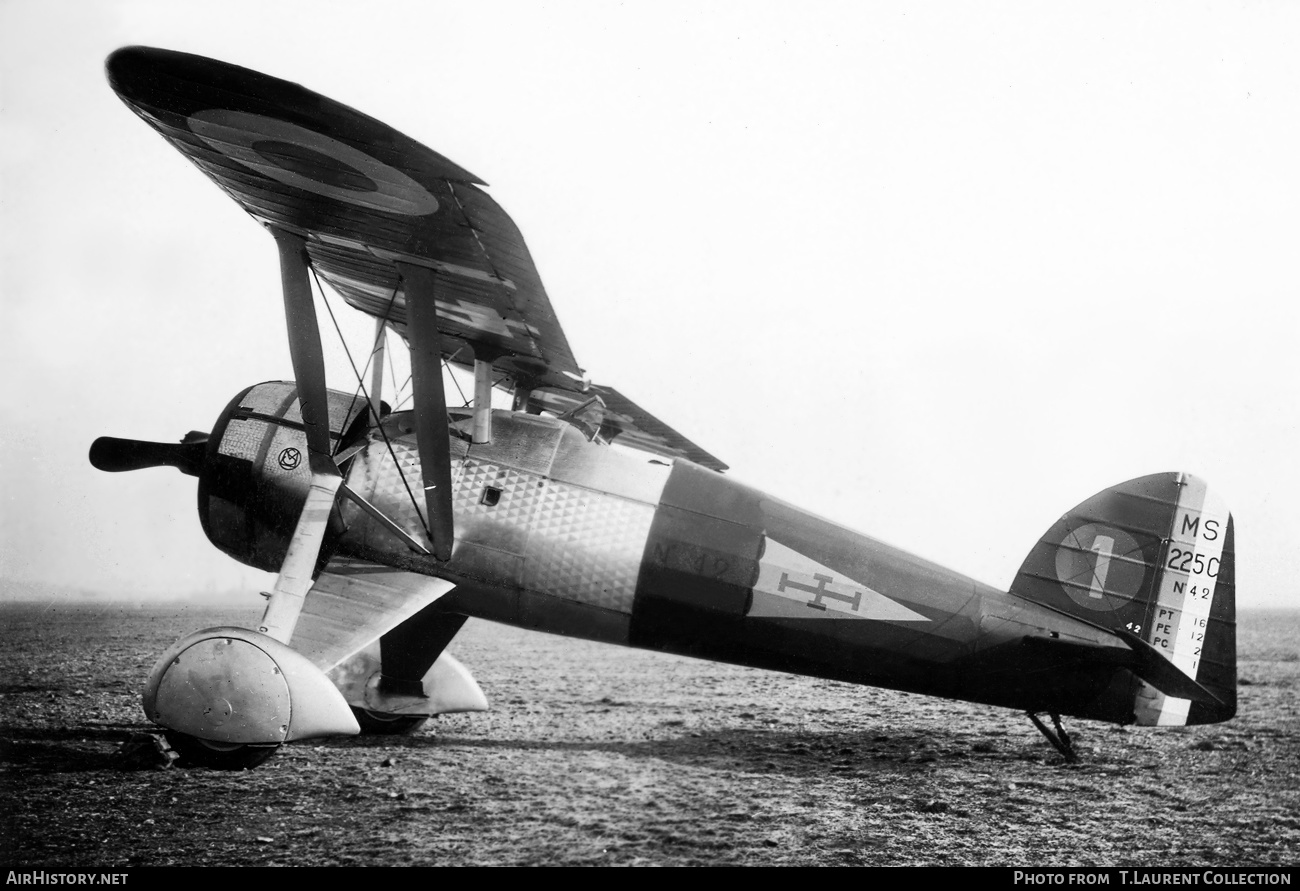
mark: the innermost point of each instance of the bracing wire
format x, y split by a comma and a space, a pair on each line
447, 367
361, 386
404, 385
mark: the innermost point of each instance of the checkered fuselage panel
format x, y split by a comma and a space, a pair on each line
539, 512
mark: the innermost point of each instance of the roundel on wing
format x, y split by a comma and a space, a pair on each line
311, 161
1100, 567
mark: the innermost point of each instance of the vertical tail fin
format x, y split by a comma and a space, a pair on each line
1153, 557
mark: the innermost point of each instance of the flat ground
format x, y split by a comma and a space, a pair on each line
600, 755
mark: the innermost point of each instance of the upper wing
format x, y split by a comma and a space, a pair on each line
625, 422
364, 197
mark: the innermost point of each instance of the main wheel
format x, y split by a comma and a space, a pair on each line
381, 724
195, 752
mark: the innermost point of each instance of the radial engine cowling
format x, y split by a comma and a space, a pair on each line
255, 475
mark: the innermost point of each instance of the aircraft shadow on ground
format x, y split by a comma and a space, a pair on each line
65, 749
761, 749
90, 747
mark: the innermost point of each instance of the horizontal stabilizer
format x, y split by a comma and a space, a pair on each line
1139, 657
1162, 674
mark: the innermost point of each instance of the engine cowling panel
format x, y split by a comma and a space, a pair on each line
255, 477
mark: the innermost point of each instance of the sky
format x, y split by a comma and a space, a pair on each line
936, 271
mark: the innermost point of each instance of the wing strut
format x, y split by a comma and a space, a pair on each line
295, 578
377, 366
432, 435
482, 400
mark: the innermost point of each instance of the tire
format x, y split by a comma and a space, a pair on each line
380, 724
194, 752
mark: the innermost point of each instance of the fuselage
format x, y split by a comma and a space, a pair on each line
562, 534
558, 531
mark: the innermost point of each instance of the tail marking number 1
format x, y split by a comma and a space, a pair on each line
1103, 546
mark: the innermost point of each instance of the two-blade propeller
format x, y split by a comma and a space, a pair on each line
299, 564
298, 568
115, 455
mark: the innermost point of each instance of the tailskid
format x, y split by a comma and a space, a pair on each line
1058, 738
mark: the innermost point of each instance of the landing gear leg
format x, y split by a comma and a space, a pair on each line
1059, 739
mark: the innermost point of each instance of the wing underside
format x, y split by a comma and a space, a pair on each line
363, 196
370, 205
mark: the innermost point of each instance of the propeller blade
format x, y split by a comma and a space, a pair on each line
119, 455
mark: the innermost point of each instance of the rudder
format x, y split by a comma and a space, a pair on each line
1153, 556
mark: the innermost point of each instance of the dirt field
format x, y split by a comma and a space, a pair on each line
601, 755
